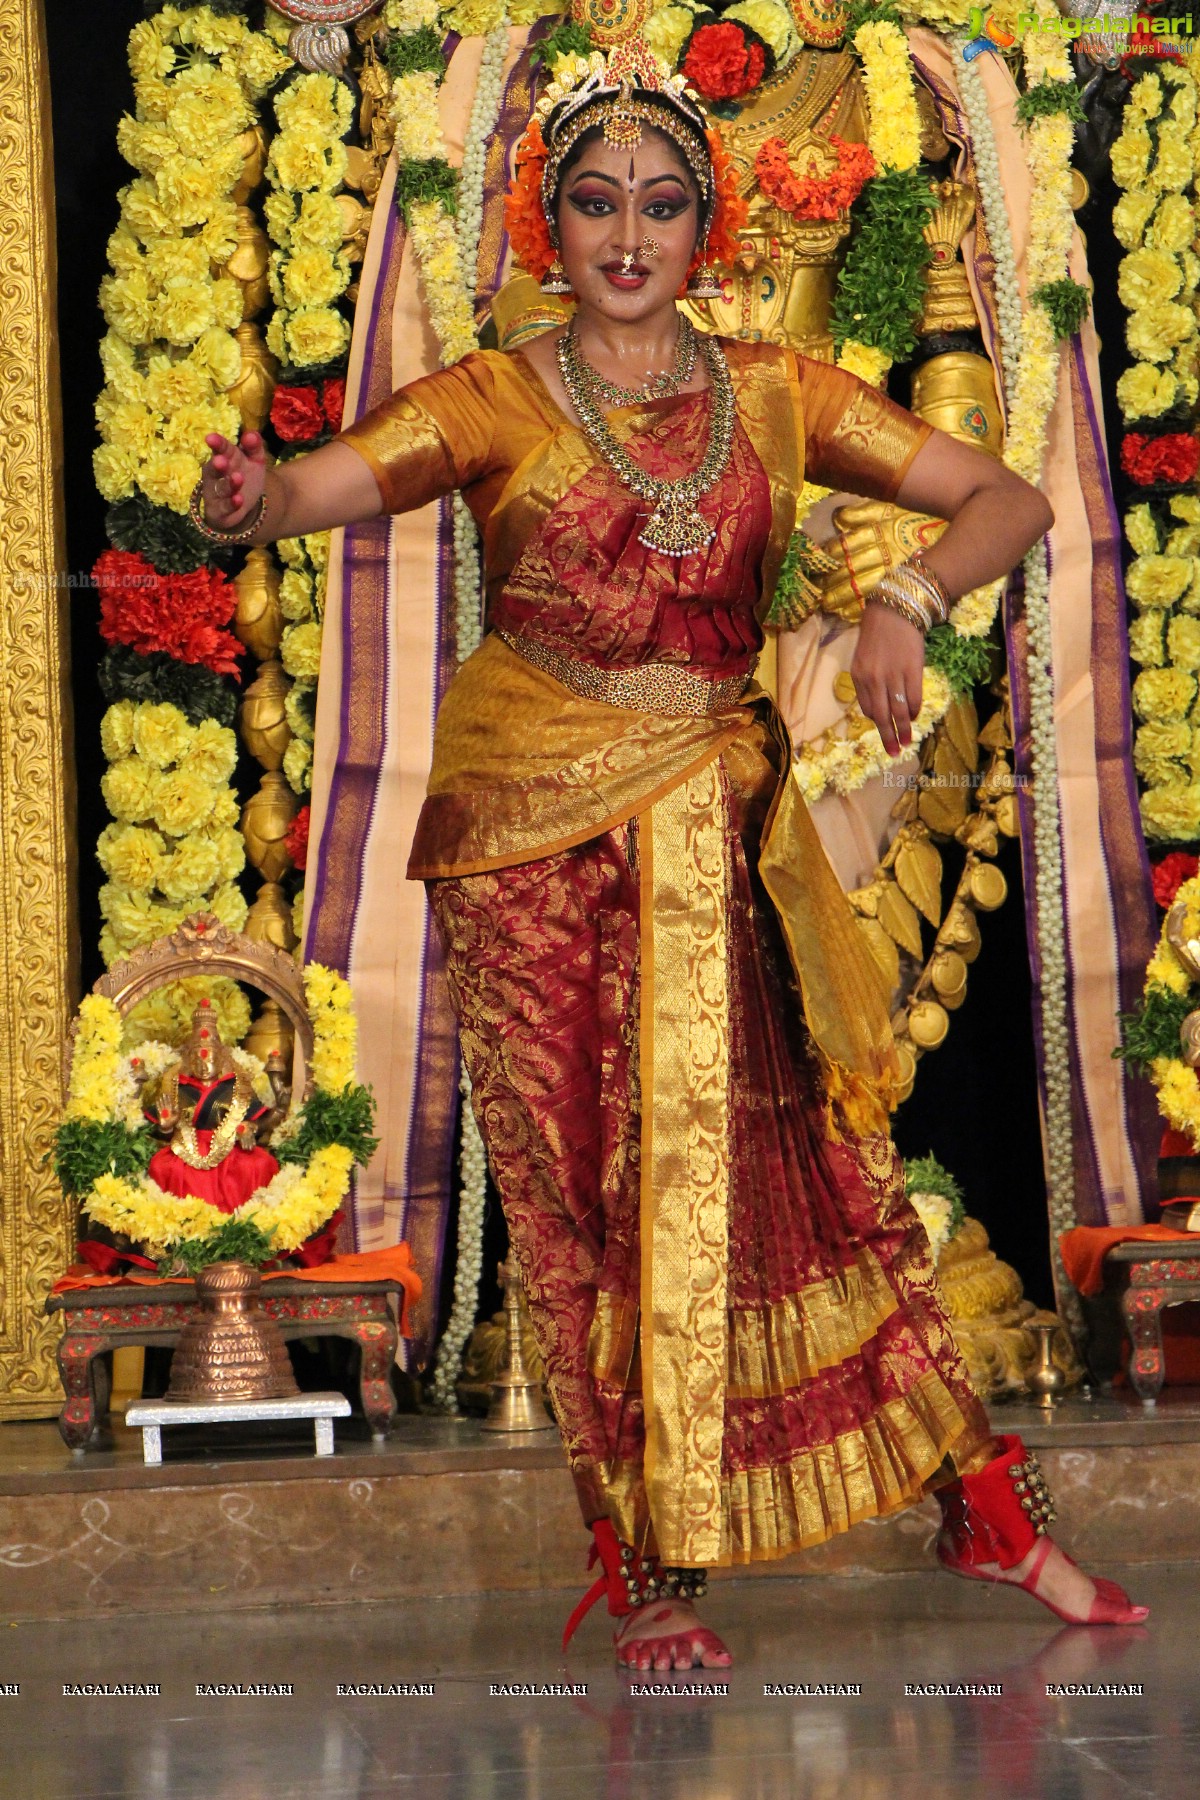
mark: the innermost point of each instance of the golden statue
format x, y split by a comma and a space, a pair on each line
205, 1105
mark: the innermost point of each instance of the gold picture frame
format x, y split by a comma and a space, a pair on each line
38, 913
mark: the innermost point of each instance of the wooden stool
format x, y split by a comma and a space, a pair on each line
1144, 1278
97, 1320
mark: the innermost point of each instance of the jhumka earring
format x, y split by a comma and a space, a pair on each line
554, 281
703, 284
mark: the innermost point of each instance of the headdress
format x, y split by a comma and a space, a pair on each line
623, 92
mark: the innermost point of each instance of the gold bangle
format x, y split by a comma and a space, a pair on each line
921, 592
887, 595
241, 534
917, 562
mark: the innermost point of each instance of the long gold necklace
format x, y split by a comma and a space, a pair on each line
186, 1145
663, 386
675, 526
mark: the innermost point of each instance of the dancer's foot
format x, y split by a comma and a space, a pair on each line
1050, 1575
668, 1635
994, 1528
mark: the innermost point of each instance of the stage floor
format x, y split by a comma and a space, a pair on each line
246, 1517
467, 1742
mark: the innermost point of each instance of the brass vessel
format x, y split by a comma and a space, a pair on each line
265, 820
229, 1349
516, 1403
1046, 1380
259, 617
263, 715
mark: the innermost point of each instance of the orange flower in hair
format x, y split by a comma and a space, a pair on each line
524, 217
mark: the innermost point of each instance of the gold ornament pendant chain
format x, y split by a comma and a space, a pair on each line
663, 386
675, 526
187, 1147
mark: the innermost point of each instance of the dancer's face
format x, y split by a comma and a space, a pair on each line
614, 207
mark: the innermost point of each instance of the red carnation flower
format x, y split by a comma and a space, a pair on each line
1170, 873
722, 63
1171, 458
296, 838
333, 399
181, 615
296, 414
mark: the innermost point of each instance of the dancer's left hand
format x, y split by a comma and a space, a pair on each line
889, 661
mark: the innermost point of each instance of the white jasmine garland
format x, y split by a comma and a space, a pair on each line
447, 252
1031, 357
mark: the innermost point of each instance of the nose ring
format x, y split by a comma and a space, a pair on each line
649, 247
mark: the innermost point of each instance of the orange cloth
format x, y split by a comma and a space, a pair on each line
391, 1264
1085, 1248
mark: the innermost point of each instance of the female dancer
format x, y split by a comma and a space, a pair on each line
680, 1055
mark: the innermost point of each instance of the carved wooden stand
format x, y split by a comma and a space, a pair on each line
1144, 1281
114, 1318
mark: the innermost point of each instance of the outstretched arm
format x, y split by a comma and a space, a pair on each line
332, 486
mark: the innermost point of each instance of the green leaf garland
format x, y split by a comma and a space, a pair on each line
882, 283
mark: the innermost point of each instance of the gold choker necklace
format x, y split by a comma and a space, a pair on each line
675, 526
663, 386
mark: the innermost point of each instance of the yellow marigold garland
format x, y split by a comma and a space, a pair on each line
1157, 283
1176, 1084
170, 354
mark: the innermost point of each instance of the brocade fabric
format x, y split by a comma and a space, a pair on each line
656, 973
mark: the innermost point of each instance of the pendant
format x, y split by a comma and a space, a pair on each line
677, 529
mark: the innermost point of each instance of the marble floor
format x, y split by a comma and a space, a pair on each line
467, 1742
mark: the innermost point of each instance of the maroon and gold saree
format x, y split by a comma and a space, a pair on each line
678, 1043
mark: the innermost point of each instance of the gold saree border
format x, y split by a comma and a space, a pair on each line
685, 1164
777, 1347
878, 1468
773, 1348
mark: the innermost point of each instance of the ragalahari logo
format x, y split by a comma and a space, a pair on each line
984, 35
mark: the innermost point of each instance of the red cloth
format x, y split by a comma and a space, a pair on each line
1085, 1247
542, 961
226, 1187
587, 587
392, 1264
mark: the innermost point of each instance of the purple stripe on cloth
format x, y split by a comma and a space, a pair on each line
1134, 911
392, 230
354, 788
433, 1119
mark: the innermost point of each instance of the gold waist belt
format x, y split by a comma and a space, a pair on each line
650, 687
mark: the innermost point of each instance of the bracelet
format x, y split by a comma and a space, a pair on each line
921, 592
891, 595
917, 561
241, 534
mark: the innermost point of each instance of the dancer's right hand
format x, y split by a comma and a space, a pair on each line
234, 478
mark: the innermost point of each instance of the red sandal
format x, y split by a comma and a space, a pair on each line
998, 1515
631, 1583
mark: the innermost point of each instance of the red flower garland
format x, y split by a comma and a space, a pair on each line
814, 196
333, 399
178, 614
1171, 458
1169, 874
297, 414
723, 62
296, 838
